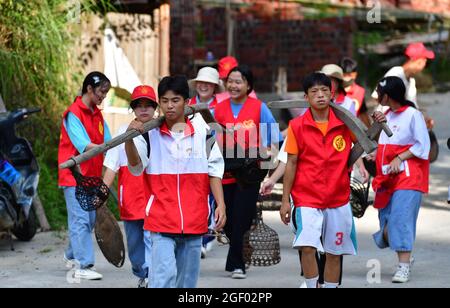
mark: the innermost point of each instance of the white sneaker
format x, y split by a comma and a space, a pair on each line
402, 274
238, 274
70, 263
203, 255
303, 285
87, 274
143, 283
209, 246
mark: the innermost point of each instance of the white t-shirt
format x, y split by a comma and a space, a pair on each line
283, 155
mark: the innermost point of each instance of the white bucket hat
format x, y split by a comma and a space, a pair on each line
333, 70
210, 75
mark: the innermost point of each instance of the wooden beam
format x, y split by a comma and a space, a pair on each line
366, 137
203, 109
372, 133
353, 123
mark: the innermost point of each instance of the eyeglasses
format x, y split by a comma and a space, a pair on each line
220, 236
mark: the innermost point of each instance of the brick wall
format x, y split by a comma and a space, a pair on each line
266, 38
299, 46
182, 35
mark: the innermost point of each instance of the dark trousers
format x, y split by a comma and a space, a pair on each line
241, 210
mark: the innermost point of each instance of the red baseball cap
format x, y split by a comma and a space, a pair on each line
226, 65
418, 51
139, 92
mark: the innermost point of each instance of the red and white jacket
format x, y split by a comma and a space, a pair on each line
132, 194
410, 133
177, 174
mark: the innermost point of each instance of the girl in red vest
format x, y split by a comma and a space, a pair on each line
206, 85
82, 129
132, 195
354, 90
242, 116
402, 174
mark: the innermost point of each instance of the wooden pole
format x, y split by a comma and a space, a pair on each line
230, 29
364, 136
40, 213
203, 109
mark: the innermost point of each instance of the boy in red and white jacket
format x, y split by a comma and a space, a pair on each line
402, 174
131, 189
179, 173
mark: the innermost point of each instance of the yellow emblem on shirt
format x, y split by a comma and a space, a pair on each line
249, 124
339, 143
100, 128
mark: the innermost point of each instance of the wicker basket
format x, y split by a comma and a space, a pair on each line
261, 244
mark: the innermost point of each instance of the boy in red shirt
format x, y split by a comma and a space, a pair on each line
317, 178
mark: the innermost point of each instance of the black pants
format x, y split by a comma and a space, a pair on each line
241, 210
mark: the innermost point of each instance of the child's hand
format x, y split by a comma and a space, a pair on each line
220, 218
285, 212
136, 125
267, 187
395, 165
364, 173
379, 117
371, 156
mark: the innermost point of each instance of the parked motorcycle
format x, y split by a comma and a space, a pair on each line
19, 178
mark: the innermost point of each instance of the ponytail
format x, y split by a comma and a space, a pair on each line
95, 80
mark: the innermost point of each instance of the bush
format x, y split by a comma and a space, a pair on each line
38, 67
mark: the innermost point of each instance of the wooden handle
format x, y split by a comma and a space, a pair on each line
288, 104
387, 130
190, 110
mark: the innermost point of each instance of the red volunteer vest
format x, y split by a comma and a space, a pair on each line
357, 93
245, 126
212, 105
133, 196
94, 123
322, 180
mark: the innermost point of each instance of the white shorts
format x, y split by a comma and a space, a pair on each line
331, 230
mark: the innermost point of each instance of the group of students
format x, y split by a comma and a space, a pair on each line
182, 183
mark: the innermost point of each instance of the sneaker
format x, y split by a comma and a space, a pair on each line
143, 283
238, 274
209, 246
203, 255
87, 274
303, 285
70, 263
402, 274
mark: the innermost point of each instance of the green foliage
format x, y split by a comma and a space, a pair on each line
38, 67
